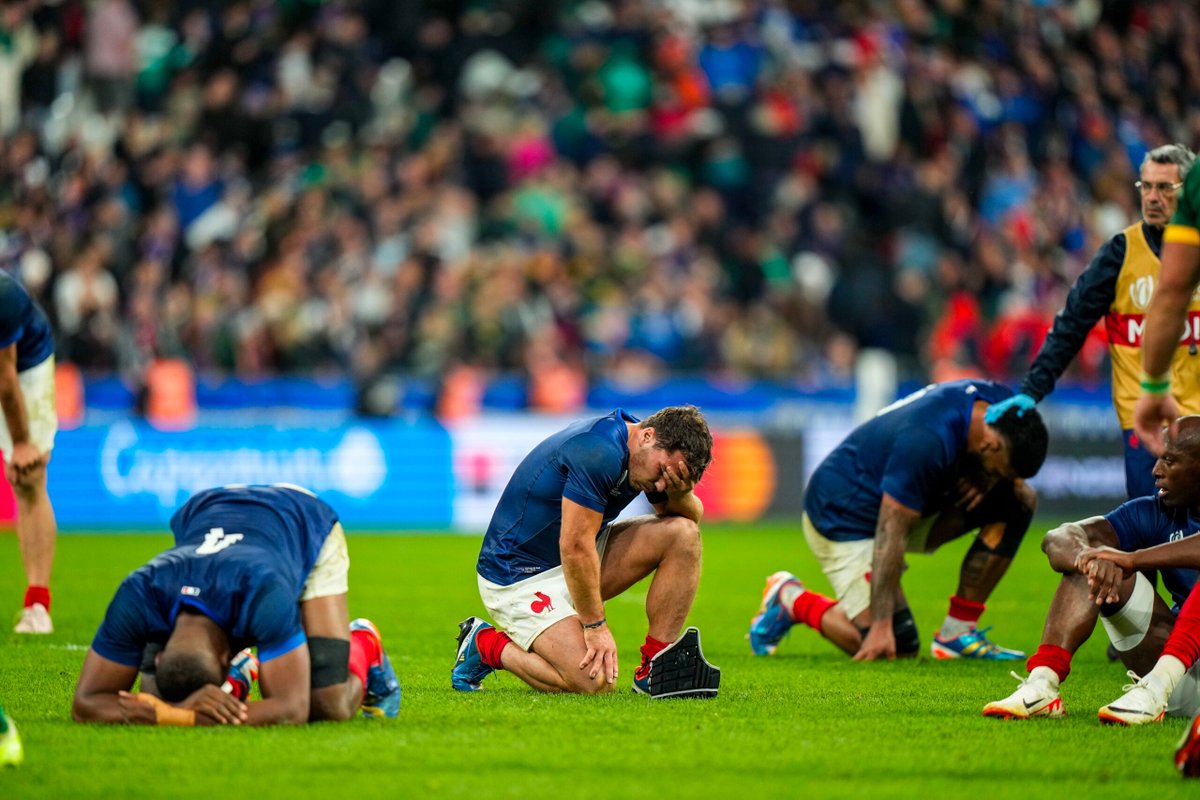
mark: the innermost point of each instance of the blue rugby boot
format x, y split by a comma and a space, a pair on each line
469, 668
383, 688
772, 621
972, 644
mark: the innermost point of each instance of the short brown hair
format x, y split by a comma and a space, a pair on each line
683, 428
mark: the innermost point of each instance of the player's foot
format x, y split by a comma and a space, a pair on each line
1187, 754
772, 621
34, 619
11, 752
678, 670
973, 644
1144, 701
469, 668
383, 689
1033, 698
243, 672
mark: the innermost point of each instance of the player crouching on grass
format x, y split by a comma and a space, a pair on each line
262, 566
927, 469
1154, 532
553, 554
1102, 560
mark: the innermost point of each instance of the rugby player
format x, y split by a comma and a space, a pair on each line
926, 470
553, 555
28, 422
262, 566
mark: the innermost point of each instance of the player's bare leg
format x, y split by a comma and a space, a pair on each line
36, 534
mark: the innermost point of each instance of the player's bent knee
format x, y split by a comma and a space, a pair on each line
330, 660
1128, 626
904, 628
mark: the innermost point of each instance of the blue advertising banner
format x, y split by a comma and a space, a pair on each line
378, 475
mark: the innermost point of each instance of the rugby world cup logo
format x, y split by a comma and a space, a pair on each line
1141, 290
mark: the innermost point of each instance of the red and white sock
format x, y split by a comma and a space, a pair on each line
805, 605
37, 594
1055, 659
962, 617
491, 644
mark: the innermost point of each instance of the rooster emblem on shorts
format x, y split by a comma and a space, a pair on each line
541, 604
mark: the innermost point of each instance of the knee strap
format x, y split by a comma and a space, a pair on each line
330, 661
1129, 625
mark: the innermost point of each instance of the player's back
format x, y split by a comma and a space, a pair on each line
919, 437
283, 526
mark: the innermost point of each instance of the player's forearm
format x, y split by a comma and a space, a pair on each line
685, 505
1181, 554
277, 711
886, 568
581, 570
1165, 315
99, 707
12, 404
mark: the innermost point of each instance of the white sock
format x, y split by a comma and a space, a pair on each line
952, 628
788, 594
1167, 673
1045, 675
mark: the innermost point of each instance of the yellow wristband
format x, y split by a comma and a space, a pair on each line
167, 714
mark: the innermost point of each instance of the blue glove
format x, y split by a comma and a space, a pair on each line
1021, 402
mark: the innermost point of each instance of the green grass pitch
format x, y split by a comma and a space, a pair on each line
805, 723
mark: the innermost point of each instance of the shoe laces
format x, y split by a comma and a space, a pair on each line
1138, 682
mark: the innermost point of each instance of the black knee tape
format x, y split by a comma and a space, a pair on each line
1008, 544
149, 653
329, 659
904, 628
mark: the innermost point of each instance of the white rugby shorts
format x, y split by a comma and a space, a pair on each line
526, 608
37, 389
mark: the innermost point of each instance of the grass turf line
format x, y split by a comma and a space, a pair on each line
806, 722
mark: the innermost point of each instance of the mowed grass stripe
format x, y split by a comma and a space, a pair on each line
806, 722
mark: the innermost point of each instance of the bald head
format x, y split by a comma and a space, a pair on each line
1185, 434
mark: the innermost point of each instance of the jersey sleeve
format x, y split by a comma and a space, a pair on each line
11, 299
913, 470
1136, 522
1088, 301
1185, 225
594, 467
124, 632
274, 622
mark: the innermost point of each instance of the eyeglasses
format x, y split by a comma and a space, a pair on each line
1163, 188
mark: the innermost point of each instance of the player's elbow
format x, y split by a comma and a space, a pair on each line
294, 713
82, 710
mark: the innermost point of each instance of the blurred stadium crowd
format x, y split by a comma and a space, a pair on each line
744, 189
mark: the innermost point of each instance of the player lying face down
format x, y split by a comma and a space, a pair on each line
252, 566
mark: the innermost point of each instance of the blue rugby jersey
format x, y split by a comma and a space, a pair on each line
1145, 522
588, 463
908, 450
241, 557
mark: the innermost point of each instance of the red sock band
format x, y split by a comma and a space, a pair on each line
810, 607
652, 647
965, 610
1052, 656
37, 594
1184, 641
361, 646
491, 644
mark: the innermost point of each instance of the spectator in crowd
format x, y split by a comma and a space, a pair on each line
925, 177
